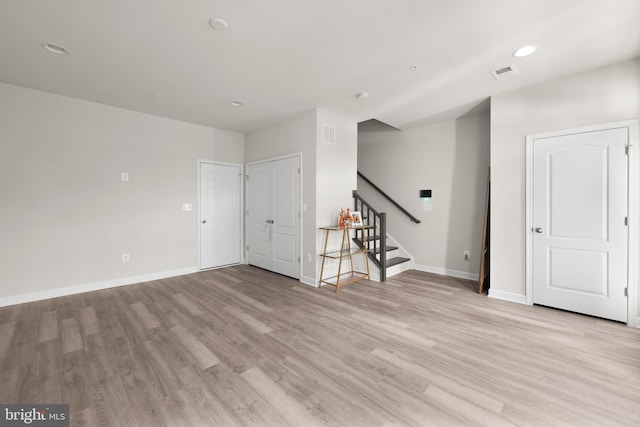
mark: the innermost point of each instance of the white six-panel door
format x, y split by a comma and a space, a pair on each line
273, 215
220, 214
579, 233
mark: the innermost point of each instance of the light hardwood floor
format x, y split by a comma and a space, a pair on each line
241, 346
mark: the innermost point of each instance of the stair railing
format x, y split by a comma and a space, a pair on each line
378, 223
386, 196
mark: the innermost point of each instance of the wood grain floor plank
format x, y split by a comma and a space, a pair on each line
148, 320
110, 403
242, 297
196, 348
291, 410
460, 391
191, 307
71, 337
330, 401
47, 359
74, 381
145, 399
236, 355
210, 410
171, 349
85, 417
89, 321
465, 410
6, 336
161, 373
245, 403
48, 326
399, 332
22, 349
254, 323
102, 361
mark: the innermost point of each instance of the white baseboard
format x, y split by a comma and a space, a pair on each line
219, 267
508, 296
447, 272
309, 281
89, 287
374, 277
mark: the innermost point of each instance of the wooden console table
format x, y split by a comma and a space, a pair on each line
345, 251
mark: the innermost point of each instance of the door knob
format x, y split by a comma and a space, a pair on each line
204, 221
269, 221
538, 230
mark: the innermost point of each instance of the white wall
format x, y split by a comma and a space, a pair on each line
328, 172
449, 158
65, 216
336, 166
600, 96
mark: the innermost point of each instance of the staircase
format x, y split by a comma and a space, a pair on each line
383, 251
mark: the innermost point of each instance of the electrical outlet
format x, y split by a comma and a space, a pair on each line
125, 257
467, 255
124, 177
187, 207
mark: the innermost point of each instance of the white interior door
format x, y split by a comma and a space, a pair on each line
273, 216
258, 215
220, 214
579, 222
285, 196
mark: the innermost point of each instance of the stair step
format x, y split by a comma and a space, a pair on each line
371, 251
389, 249
395, 261
369, 239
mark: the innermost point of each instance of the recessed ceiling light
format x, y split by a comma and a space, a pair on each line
524, 51
362, 95
414, 67
218, 24
235, 103
54, 48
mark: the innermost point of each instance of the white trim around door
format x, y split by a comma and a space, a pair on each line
633, 317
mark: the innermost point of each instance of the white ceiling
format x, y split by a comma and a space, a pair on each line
280, 57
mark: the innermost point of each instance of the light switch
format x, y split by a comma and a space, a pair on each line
124, 176
187, 207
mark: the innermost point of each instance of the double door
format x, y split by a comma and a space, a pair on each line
273, 215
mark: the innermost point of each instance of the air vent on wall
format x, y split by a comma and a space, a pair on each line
505, 72
328, 134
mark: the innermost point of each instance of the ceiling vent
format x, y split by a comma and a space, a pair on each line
328, 134
505, 72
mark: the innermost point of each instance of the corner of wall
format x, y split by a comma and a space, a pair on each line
508, 296
309, 281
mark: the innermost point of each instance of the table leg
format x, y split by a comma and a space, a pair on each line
340, 262
326, 240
